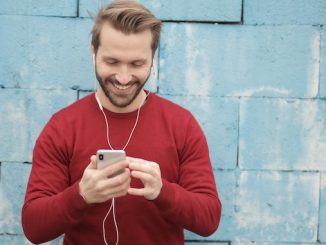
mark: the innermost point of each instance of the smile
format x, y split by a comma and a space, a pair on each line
122, 87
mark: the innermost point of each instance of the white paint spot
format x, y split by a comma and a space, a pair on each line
44, 40
171, 41
313, 133
195, 80
314, 69
7, 219
323, 181
259, 90
24, 71
156, 5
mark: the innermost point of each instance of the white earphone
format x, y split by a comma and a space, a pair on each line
98, 102
93, 59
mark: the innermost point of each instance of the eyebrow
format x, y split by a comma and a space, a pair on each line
115, 59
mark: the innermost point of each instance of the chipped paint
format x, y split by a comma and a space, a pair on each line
7, 217
196, 58
314, 67
260, 90
313, 130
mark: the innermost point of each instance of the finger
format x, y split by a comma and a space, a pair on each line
110, 186
144, 177
133, 160
143, 166
92, 164
113, 187
137, 191
112, 169
118, 180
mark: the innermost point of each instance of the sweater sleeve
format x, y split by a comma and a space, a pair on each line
193, 202
51, 204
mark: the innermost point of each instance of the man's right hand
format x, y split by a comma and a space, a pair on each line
96, 186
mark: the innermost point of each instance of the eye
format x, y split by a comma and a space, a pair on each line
138, 63
110, 61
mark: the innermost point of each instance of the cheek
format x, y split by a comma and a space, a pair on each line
144, 74
103, 72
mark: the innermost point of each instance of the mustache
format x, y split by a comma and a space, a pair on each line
113, 80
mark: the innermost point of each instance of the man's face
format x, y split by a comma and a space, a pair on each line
123, 64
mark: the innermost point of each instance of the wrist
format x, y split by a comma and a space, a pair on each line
82, 194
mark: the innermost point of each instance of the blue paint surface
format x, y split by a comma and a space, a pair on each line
282, 134
14, 177
257, 88
207, 59
65, 8
285, 12
322, 87
277, 206
181, 10
45, 53
322, 208
24, 117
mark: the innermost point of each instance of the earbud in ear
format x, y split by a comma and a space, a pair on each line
94, 59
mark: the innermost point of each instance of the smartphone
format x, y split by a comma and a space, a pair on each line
107, 157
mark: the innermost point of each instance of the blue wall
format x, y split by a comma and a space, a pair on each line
252, 71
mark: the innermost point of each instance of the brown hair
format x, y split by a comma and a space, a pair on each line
129, 17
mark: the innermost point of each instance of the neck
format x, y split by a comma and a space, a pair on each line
135, 105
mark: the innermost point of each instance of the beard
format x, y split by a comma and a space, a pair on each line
122, 99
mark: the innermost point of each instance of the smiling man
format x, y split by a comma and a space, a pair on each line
165, 184
122, 63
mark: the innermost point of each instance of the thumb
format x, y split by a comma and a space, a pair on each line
92, 164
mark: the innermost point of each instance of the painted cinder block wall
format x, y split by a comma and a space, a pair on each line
252, 71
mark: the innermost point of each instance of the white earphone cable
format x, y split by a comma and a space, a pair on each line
112, 206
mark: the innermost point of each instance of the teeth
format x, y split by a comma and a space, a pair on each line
122, 87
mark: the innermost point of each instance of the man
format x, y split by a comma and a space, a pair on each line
165, 184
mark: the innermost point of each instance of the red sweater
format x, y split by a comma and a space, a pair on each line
166, 134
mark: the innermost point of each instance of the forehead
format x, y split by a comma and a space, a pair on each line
114, 41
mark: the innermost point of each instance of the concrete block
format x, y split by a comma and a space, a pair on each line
285, 12
277, 207
229, 60
14, 123
322, 209
219, 121
181, 10
282, 134
14, 177
322, 87
45, 53
66, 8
26, 112
226, 183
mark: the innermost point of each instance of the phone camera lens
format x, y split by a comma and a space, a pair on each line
101, 157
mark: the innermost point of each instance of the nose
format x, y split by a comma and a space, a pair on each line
123, 78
